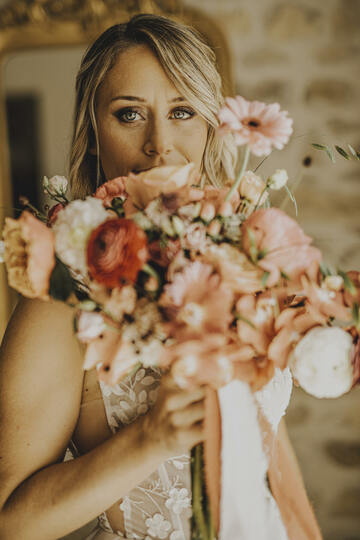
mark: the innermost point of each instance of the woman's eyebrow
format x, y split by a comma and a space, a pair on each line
142, 100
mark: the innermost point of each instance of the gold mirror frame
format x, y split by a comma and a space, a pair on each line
34, 24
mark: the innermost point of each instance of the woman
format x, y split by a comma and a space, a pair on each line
147, 95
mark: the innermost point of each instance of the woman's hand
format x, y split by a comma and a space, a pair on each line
175, 423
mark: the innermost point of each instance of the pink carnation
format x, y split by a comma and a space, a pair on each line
111, 189
254, 123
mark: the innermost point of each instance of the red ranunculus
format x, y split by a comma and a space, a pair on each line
116, 252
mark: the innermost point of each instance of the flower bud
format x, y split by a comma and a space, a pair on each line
208, 212
178, 225
278, 179
152, 284
214, 228
56, 185
226, 209
334, 283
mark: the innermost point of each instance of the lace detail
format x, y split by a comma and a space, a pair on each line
159, 507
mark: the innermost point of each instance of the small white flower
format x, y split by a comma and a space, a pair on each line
158, 526
72, 230
278, 179
2, 251
90, 326
321, 362
56, 185
178, 500
333, 283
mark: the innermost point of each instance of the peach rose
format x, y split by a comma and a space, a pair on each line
279, 245
29, 255
111, 189
251, 188
116, 252
146, 186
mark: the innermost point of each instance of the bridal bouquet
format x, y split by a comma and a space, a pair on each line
212, 283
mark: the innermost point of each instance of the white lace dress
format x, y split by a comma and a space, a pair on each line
160, 507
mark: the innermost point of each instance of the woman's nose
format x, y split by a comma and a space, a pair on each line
158, 141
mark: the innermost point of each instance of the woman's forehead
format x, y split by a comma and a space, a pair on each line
137, 72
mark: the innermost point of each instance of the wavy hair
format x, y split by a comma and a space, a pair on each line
189, 63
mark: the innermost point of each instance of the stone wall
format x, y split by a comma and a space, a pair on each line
305, 54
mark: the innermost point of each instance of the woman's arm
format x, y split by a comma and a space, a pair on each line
288, 488
40, 390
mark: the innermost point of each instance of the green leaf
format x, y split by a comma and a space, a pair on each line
325, 270
284, 275
87, 305
245, 320
61, 284
253, 248
356, 313
325, 149
342, 152
264, 278
348, 284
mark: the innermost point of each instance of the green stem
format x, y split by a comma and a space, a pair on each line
259, 199
150, 270
237, 181
201, 530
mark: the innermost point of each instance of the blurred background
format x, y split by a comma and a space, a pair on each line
305, 55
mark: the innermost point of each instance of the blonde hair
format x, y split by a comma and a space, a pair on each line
189, 63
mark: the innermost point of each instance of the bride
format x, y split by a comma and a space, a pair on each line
147, 95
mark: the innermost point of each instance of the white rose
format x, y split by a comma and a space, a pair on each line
278, 179
72, 230
90, 326
321, 362
56, 185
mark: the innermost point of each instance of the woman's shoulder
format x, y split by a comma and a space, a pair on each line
39, 340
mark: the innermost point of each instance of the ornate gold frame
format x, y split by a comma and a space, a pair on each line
30, 24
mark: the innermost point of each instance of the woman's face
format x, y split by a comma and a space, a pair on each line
142, 120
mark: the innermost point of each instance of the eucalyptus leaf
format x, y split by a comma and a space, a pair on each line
342, 152
352, 150
61, 283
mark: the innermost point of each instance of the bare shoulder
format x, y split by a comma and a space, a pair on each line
40, 388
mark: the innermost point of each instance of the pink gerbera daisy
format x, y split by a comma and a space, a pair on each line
256, 124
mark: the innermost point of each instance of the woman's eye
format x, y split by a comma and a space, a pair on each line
182, 114
128, 115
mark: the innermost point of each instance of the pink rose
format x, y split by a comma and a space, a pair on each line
278, 245
148, 185
29, 255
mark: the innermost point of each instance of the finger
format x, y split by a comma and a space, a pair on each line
189, 416
181, 399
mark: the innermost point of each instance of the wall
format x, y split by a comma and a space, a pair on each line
305, 54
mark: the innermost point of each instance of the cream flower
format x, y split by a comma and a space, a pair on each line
322, 362
72, 230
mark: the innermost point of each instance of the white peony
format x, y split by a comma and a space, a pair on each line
56, 185
278, 179
72, 230
321, 362
90, 326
